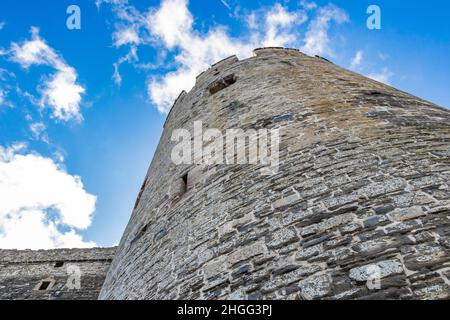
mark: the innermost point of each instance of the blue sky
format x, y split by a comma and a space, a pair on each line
81, 111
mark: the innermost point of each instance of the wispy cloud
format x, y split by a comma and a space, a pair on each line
5, 87
2, 96
2, 90
225, 3
279, 24
360, 64
60, 91
170, 28
384, 76
317, 40
38, 130
357, 59
308, 5
130, 57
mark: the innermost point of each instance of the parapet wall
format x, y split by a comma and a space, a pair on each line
359, 208
61, 274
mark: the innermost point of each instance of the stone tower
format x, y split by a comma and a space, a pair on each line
359, 208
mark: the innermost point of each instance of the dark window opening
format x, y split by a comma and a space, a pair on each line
44, 285
222, 84
184, 186
59, 264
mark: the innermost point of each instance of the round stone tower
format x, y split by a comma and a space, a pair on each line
359, 206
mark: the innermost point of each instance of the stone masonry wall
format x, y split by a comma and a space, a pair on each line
24, 272
363, 185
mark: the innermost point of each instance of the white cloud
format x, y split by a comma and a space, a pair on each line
63, 94
170, 28
60, 91
100, 2
2, 96
251, 20
38, 131
226, 4
308, 5
172, 23
42, 206
359, 64
29, 229
383, 56
2, 90
5, 87
384, 76
357, 59
126, 35
130, 57
317, 40
279, 23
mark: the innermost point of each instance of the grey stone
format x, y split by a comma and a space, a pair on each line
376, 270
315, 287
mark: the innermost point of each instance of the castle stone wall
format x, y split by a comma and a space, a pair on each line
52, 274
362, 190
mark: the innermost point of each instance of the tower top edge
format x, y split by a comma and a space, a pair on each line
228, 61
233, 59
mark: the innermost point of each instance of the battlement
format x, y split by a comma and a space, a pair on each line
277, 51
217, 69
228, 62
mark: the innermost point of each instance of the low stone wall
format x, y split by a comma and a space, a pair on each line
61, 274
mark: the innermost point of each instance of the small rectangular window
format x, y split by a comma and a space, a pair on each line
222, 84
179, 187
44, 285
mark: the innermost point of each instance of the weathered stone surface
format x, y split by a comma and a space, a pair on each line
406, 214
25, 273
247, 252
363, 176
315, 287
327, 224
379, 270
289, 278
214, 268
281, 238
309, 252
427, 255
